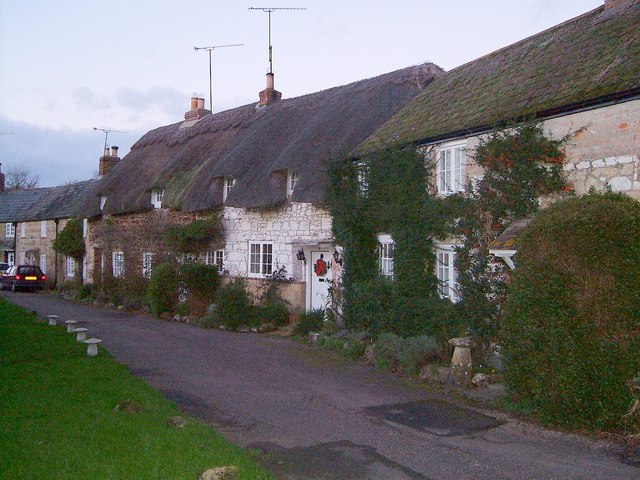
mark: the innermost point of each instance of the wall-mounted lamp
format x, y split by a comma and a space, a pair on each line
300, 256
337, 257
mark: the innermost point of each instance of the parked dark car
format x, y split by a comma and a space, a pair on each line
28, 277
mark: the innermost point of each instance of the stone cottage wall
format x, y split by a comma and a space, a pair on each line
287, 227
606, 152
31, 245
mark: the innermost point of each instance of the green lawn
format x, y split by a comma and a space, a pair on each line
57, 417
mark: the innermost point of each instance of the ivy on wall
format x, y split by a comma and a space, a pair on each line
386, 192
69, 240
389, 192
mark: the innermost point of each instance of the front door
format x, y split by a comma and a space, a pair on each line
320, 279
11, 258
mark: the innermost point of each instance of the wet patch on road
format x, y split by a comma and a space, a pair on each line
332, 461
434, 417
200, 409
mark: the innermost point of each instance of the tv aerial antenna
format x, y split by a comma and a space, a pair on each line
270, 10
106, 132
211, 49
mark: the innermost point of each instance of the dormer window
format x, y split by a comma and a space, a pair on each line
452, 163
292, 179
156, 198
103, 200
229, 182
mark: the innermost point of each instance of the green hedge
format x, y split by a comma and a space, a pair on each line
162, 294
570, 328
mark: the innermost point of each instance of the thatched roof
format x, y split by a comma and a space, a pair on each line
587, 61
49, 203
257, 146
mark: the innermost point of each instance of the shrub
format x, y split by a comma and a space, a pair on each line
570, 329
417, 351
310, 321
162, 293
369, 305
201, 282
193, 237
387, 349
274, 313
234, 307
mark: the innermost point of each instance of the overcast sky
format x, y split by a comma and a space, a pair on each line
68, 66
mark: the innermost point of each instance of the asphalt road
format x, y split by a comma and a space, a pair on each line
316, 416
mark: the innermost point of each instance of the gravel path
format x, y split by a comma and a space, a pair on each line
316, 416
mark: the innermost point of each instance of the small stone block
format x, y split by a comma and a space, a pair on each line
71, 325
81, 334
92, 346
53, 320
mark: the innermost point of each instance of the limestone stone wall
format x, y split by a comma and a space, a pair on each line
31, 244
286, 227
131, 234
606, 150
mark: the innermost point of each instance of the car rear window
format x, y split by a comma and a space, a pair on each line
29, 270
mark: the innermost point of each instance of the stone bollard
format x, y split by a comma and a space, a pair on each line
71, 325
81, 334
92, 346
461, 365
313, 337
53, 320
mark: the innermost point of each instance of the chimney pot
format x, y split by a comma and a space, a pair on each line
106, 152
114, 151
200, 102
194, 101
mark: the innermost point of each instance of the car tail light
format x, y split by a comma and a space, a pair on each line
18, 276
43, 277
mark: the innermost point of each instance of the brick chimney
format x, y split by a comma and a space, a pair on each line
1, 179
197, 109
109, 160
269, 94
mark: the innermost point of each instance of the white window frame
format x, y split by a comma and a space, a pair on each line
292, 179
103, 201
147, 264
43, 263
451, 168
71, 267
386, 247
446, 271
23, 229
43, 229
260, 259
85, 227
229, 183
156, 198
215, 257
117, 264
9, 230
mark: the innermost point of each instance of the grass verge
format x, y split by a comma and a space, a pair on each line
58, 419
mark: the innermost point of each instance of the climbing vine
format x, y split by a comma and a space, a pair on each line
386, 192
520, 165
69, 241
389, 192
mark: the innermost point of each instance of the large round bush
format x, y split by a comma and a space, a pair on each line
571, 326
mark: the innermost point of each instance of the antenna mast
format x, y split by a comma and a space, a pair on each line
106, 132
211, 49
269, 10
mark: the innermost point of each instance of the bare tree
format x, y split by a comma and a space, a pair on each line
20, 178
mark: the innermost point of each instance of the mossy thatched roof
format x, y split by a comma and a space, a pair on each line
586, 61
256, 146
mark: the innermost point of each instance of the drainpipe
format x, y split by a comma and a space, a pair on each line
55, 274
15, 243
